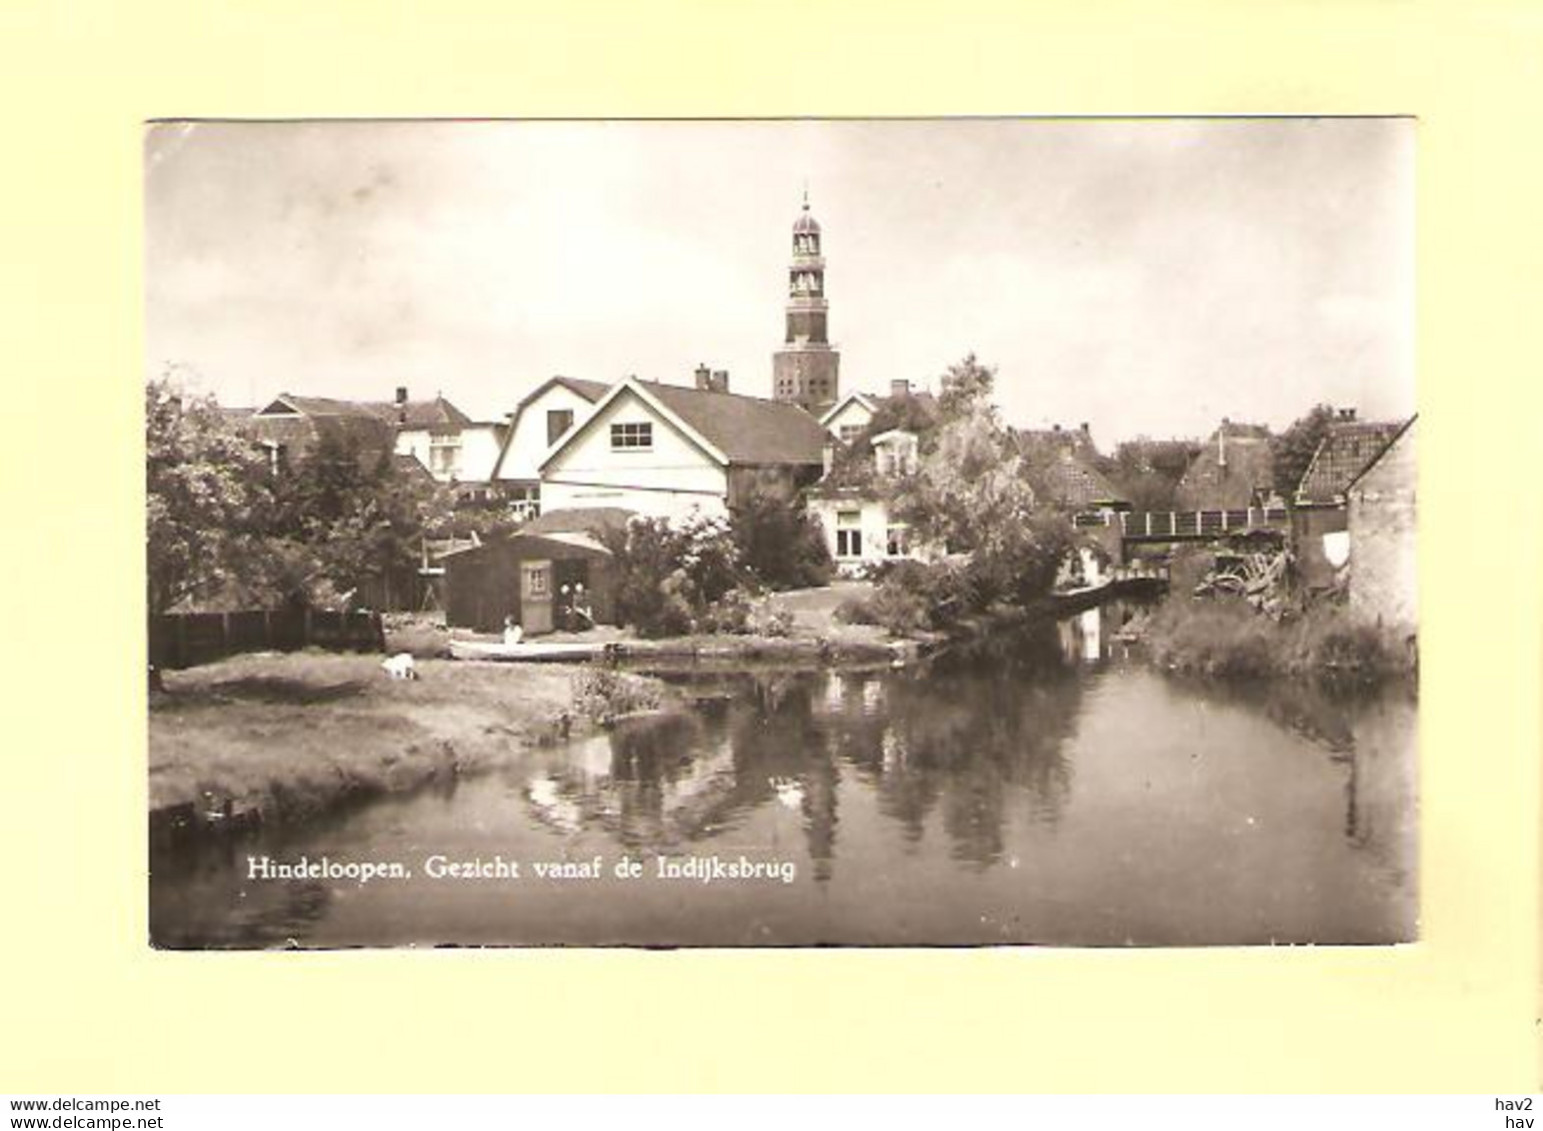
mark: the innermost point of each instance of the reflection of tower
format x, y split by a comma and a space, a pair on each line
806, 369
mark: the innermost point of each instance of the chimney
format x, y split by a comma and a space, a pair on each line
719, 382
828, 455
900, 387
1055, 428
401, 404
704, 377
1347, 414
1085, 430
401, 394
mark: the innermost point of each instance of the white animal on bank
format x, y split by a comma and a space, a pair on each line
400, 666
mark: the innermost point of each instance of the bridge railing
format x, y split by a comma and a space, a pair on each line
1184, 524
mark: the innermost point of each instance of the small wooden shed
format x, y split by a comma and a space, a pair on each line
546, 582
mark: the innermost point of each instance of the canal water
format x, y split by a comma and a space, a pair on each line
1049, 789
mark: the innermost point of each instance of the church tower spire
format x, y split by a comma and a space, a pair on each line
806, 370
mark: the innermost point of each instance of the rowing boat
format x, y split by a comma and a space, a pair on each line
526, 651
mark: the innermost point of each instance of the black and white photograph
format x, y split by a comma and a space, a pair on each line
781, 533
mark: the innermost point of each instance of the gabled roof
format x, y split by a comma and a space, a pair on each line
869, 403
1062, 466
727, 427
1234, 464
579, 520
747, 429
591, 391
1346, 451
437, 413
876, 404
1072, 482
1386, 448
405, 464
410, 414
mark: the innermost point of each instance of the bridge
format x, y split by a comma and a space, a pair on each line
1186, 526
1137, 579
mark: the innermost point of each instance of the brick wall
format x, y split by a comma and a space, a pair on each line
1382, 540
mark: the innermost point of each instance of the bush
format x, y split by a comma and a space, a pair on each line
898, 610
856, 610
780, 544
1225, 637
603, 694
729, 614
766, 620
668, 576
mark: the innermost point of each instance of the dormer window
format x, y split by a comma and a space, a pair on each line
445, 454
895, 453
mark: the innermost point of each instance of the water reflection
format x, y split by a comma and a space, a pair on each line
943, 740
1041, 788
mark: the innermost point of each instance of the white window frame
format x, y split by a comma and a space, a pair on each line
849, 534
444, 453
632, 436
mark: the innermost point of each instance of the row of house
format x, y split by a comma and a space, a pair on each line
667, 450
573, 449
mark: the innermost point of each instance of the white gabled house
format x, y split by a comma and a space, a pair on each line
668, 450
853, 514
846, 419
455, 448
450, 445
547, 414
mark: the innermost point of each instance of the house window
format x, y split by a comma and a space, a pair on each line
849, 534
526, 503
850, 432
897, 457
558, 421
896, 542
445, 454
632, 437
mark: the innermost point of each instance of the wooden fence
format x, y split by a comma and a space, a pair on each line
181, 640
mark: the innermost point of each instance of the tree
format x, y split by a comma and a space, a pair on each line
669, 576
1148, 472
779, 543
204, 499
966, 387
971, 494
362, 515
1292, 451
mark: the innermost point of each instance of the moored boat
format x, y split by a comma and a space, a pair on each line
528, 651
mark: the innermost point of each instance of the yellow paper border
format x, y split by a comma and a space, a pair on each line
86, 1005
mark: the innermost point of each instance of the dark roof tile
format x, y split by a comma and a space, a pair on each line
746, 429
1341, 456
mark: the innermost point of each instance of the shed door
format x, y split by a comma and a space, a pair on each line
536, 596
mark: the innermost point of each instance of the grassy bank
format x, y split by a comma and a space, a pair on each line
809, 630
1228, 639
288, 736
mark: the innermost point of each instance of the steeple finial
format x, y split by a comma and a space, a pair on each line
806, 196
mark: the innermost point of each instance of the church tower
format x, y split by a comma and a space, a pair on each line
806, 369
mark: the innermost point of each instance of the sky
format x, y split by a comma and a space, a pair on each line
1147, 277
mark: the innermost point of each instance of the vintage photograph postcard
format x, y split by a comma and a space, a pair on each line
939, 532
